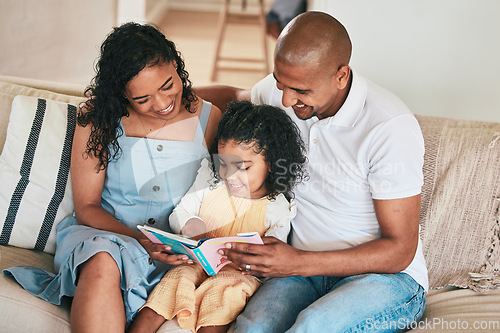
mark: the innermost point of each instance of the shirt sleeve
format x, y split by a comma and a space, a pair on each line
189, 205
396, 159
279, 214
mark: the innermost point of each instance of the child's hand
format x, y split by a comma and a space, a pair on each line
194, 228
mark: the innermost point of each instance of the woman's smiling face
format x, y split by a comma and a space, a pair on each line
156, 91
242, 169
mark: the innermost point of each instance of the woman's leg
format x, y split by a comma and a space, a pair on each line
98, 302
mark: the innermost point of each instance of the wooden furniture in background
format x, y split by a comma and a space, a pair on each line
226, 17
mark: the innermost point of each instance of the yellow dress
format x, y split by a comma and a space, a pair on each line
197, 299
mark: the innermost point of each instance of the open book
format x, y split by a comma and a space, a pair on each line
203, 251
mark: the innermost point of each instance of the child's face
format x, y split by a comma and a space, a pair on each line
243, 170
156, 91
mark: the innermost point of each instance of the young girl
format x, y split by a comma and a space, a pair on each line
258, 157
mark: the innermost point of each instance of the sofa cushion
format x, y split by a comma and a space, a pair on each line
459, 216
21, 311
8, 90
34, 172
460, 310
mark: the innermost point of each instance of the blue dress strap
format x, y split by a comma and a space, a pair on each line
203, 121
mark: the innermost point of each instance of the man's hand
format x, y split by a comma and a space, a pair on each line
161, 252
273, 259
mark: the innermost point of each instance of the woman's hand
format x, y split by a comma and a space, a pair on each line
273, 259
161, 252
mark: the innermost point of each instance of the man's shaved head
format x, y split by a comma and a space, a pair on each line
314, 39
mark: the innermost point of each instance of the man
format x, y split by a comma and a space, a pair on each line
356, 263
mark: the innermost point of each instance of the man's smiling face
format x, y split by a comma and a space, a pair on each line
309, 91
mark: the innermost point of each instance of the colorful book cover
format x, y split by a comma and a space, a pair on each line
203, 251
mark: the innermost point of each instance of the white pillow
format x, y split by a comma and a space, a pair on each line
35, 191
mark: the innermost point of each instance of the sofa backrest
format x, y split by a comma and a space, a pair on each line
460, 226
460, 199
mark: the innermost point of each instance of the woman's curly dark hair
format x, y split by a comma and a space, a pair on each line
274, 135
127, 50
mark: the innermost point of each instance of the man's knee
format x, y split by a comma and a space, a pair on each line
274, 307
250, 323
312, 319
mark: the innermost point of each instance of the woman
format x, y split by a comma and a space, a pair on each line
139, 141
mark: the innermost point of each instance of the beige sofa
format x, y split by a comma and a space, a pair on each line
460, 226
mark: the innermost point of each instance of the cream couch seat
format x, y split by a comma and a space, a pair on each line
460, 227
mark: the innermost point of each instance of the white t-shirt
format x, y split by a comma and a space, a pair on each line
371, 149
279, 211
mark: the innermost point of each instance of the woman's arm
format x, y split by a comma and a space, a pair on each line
88, 184
87, 191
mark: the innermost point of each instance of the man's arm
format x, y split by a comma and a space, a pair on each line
391, 253
221, 95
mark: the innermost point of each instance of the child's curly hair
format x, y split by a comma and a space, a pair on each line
127, 50
274, 135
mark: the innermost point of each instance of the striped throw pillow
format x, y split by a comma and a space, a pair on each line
35, 191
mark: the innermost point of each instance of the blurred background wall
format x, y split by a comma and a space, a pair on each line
53, 39
441, 57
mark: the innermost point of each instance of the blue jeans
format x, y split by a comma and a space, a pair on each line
361, 303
